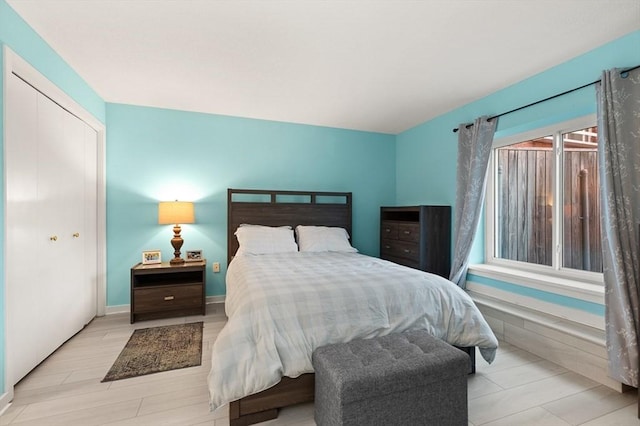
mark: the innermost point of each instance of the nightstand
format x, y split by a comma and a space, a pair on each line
163, 290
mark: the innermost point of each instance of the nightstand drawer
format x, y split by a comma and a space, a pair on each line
401, 249
168, 297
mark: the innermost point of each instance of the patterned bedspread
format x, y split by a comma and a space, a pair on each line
283, 306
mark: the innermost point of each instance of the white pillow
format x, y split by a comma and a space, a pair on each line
323, 238
258, 239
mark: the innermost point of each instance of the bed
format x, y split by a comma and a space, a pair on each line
283, 304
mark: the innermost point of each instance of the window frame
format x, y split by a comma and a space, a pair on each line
556, 269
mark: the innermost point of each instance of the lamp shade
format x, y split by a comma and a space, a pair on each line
175, 212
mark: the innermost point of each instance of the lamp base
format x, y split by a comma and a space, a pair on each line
176, 242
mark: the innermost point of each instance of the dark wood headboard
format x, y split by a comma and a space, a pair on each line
280, 208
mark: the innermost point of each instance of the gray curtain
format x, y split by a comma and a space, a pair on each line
619, 167
474, 148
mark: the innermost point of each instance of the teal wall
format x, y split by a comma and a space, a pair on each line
21, 38
157, 155
426, 154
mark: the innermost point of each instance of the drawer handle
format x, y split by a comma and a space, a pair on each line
387, 230
407, 251
387, 247
407, 232
167, 298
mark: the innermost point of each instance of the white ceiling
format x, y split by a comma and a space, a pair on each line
382, 66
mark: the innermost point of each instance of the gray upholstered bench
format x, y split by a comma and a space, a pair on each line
400, 379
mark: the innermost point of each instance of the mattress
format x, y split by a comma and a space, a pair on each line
283, 306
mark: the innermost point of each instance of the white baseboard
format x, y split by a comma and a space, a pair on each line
5, 401
117, 309
215, 299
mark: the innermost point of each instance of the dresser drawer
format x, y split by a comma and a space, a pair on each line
388, 230
401, 249
168, 297
409, 232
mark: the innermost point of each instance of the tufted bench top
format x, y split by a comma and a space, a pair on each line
362, 368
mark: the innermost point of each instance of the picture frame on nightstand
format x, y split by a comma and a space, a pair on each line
194, 256
150, 257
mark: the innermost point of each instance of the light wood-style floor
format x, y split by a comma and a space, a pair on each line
517, 389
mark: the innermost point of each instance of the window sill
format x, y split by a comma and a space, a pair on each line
565, 299
574, 288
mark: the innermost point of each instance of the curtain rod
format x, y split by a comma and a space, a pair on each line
549, 98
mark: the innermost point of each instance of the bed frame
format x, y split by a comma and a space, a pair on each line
280, 208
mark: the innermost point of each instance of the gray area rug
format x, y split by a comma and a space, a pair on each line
156, 349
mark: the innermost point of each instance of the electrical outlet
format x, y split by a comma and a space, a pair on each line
216, 266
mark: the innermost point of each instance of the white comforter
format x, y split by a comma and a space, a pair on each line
283, 306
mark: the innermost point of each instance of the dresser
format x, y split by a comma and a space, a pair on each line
418, 237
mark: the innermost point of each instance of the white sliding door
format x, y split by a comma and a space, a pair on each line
21, 216
51, 226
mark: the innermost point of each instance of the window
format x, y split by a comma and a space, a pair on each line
544, 199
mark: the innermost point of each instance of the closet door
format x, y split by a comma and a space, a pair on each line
49, 296
21, 233
54, 273
61, 174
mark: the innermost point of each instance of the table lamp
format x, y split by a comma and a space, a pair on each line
176, 213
